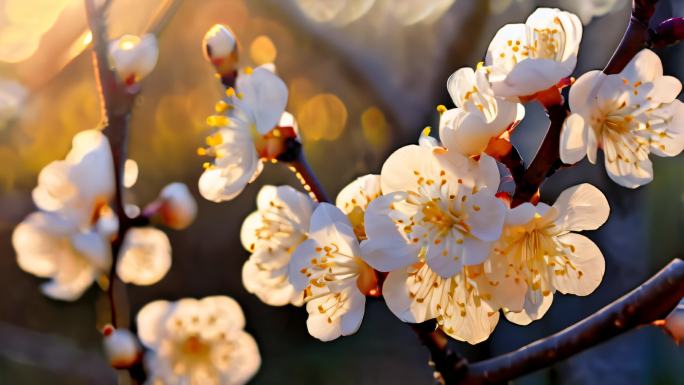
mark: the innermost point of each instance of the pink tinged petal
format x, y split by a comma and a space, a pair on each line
582, 207
395, 290
151, 322
536, 306
583, 91
644, 67
92, 246
301, 258
387, 248
573, 141
486, 215
584, 272
264, 97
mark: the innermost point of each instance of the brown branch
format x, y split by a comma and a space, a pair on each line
650, 301
547, 160
636, 36
116, 103
307, 178
670, 31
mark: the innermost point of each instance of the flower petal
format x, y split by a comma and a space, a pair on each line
582, 207
573, 141
533, 309
585, 269
145, 256
150, 322
264, 97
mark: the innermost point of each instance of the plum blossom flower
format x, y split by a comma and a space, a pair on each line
629, 115
197, 342
145, 256
133, 57
539, 247
438, 207
255, 107
271, 234
466, 305
524, 59
68, 239
329, 269
479, 115
354, 199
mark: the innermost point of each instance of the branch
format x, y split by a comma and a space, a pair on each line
670, 31
636, 36
449, 366
649, 302
547, 160
116, 103
307, 178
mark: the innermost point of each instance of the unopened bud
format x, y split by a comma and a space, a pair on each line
121, 347
133, 57
178, 207
674, 322
221, 48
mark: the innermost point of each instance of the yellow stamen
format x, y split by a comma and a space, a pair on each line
441, 109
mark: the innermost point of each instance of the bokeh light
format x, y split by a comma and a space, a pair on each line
322, 117
262, 50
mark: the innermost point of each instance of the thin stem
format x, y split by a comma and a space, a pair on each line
636, 36
307, 178
649, 302
449, 366
547, 160
116, 105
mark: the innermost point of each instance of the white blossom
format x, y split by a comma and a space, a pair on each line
133, 57
524, 59
674, 322
197, 342
329, 269
629, 115
68, 239
438, 206
255, 108
271, 234
145, 256
479, 115
539, 247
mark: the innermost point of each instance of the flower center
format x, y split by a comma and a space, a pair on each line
194, 346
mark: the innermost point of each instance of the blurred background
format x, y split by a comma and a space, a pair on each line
364, 78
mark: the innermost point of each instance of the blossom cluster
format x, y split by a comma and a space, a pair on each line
433, 233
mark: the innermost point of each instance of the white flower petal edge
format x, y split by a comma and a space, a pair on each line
524, 59
271, 234
145, 256
537, 248
259, 101
438, 205
334, 278
133, 57
478, 117
197, 341
629, 115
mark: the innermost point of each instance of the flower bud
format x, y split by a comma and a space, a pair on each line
133, 57
178, 206
121, 347
221, 48
674, 322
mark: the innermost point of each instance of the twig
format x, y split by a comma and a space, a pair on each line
449, 366
307, 178
116, 105
670, 31
636, 36
649, 302
547, 160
